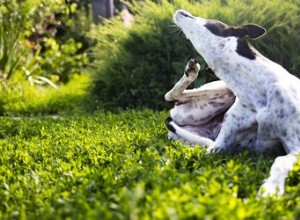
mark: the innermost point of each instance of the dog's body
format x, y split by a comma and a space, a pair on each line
265, 114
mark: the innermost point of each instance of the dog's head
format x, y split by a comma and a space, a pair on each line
212, 36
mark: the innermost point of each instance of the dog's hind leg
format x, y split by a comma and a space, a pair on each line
180, 94
196, 107
190, 74
188, 136
279, 171
198, 112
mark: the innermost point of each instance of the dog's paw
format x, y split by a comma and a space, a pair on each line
270, 189
192, 68
169, 125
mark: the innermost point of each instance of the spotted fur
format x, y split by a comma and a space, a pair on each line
263, 114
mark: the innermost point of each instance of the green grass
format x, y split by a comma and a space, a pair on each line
21, 98
122, 166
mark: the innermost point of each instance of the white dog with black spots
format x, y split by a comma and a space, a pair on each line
256, 105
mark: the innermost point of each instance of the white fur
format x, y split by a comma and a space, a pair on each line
266, 111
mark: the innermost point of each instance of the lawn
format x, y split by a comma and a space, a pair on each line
122, 166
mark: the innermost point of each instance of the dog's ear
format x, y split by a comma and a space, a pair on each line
252, 30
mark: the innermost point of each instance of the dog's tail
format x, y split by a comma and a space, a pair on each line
187, 135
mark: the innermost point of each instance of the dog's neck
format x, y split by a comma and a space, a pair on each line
243, 74
240, 73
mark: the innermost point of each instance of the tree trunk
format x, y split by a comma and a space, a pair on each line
102, 9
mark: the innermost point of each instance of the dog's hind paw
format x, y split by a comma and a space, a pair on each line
192, 68
169, 125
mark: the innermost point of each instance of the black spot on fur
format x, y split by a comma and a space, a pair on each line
244, 49
217, 28
281, 113
292, 109
284, 133
191, 117
281, 100
169, 126
216, 104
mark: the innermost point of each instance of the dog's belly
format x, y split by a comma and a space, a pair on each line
209, 130
199, 112
203, 116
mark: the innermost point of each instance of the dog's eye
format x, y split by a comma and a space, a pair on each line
186, 14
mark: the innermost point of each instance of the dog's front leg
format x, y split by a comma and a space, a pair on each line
279, 172
239, 126
190, 74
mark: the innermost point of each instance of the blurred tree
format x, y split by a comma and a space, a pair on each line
102, 8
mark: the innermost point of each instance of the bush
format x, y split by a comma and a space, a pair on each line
62, 39
59, 62
136, 66
37, 38
14, 27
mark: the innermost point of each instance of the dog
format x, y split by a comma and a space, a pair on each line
255, 105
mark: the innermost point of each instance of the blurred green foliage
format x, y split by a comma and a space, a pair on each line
135, 66
42, 38
23, 99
